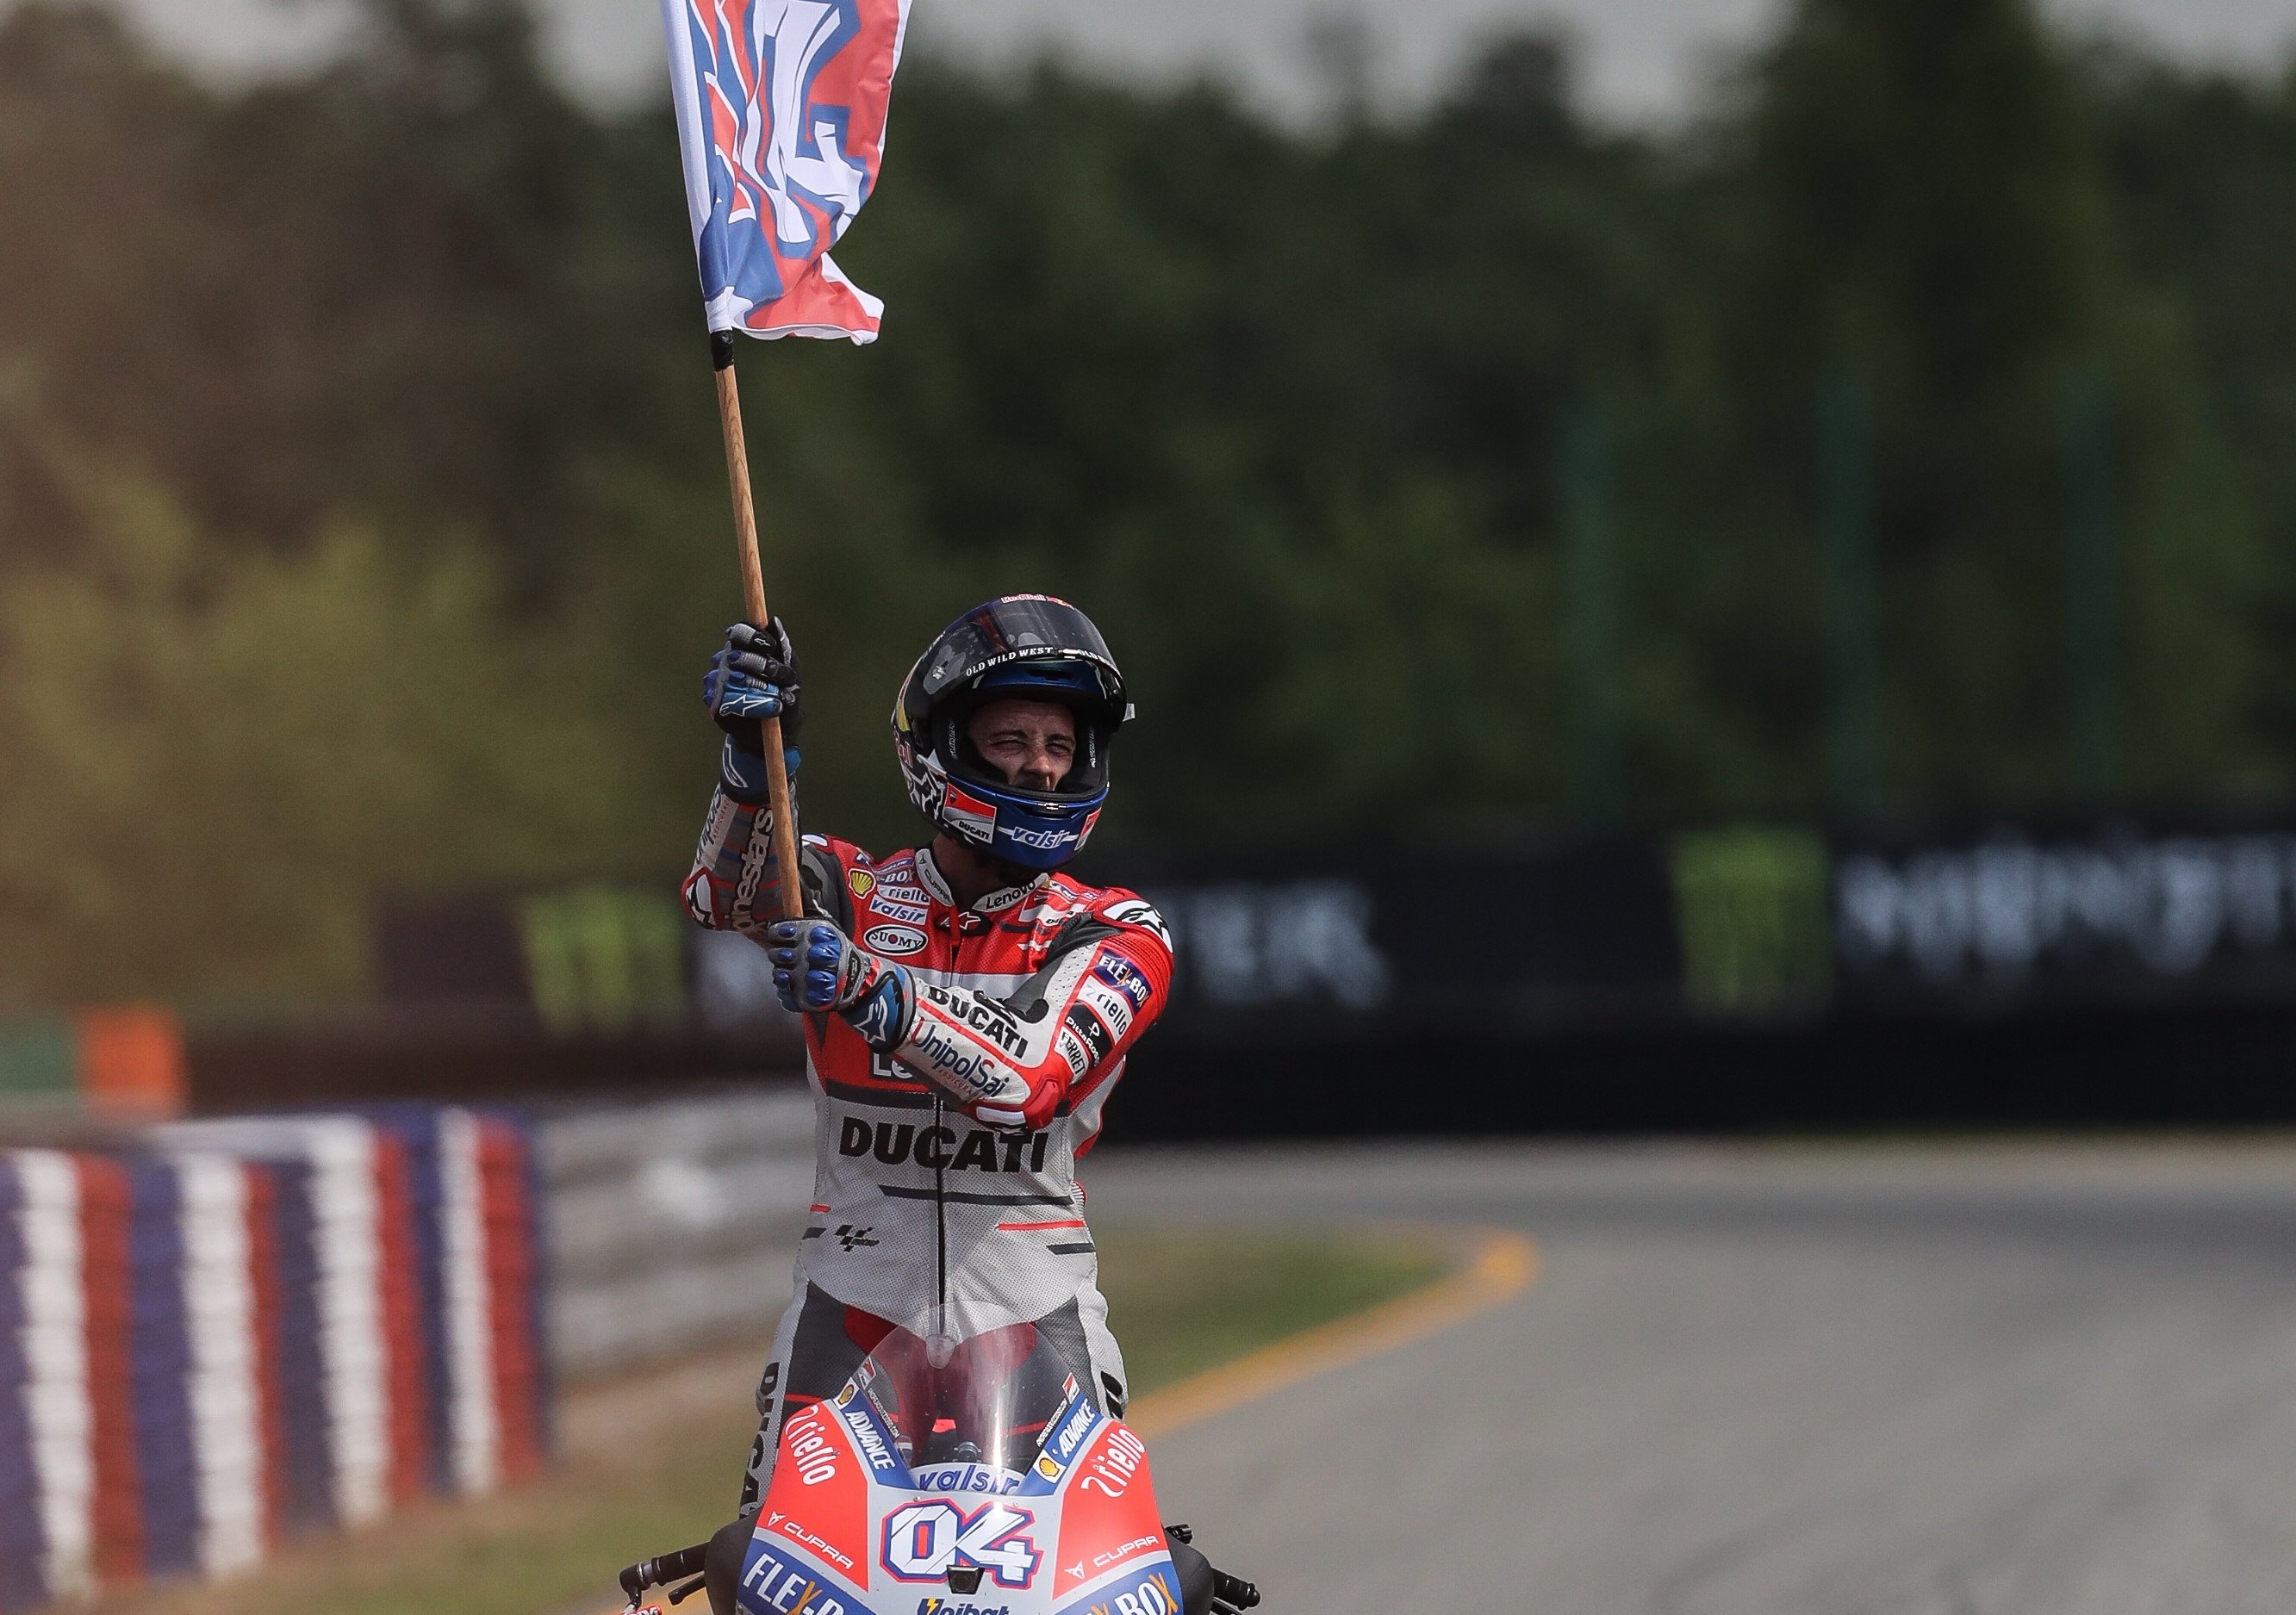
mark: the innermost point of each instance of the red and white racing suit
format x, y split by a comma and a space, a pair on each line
1027, 1002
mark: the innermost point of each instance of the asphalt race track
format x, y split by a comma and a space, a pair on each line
1779, 1381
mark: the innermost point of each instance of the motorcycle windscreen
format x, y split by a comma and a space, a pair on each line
982, 1462
971, 1414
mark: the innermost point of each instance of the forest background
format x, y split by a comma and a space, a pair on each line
363, 528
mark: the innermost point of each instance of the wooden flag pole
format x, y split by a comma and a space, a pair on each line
754, 596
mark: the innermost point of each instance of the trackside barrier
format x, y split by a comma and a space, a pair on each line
673, 1225
234, 1333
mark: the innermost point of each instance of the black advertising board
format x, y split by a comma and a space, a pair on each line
2106, 911
1737, 923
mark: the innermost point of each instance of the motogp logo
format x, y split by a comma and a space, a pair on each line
923, 1539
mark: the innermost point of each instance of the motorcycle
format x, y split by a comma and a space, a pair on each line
973, 1476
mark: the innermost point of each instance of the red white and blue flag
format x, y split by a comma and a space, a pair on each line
781, 123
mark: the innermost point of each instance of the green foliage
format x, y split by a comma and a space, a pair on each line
427, 538
211, 772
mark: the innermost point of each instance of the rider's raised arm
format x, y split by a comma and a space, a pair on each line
1018, 1062
734, 883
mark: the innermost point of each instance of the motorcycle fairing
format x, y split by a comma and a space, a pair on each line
1151, 1588
1109, 1529
850, 1527
873, 1433
818, 1507
1066, 1434
776, 1584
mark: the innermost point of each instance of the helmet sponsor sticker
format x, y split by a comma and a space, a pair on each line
893, 939
1051, 838
967, 815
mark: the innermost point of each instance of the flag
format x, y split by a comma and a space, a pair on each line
781, 127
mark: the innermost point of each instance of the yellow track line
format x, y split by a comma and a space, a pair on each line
1503, 1265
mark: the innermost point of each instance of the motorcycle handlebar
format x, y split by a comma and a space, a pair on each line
660, 1572
1234, 1592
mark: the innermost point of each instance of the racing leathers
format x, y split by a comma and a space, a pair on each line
947, 1136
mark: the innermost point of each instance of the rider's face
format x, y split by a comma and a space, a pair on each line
1031, 742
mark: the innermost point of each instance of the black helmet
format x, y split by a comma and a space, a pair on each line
1031, 647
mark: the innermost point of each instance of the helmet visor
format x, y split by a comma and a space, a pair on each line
1023, 628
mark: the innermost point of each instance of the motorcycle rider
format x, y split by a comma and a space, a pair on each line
967, 1007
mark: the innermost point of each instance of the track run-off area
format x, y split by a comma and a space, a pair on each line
1765, 1379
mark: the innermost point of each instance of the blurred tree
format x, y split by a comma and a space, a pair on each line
1932, 220
409, 351
2203, 169
213, 765
1931, 213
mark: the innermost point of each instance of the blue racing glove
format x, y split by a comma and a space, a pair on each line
754, 676
816, 968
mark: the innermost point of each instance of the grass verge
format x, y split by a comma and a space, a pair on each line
654, 1463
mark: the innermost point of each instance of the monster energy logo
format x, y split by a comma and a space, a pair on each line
604, 959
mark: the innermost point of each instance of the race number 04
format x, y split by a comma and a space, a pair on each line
923, 1539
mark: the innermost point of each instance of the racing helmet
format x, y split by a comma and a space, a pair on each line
1032, 647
